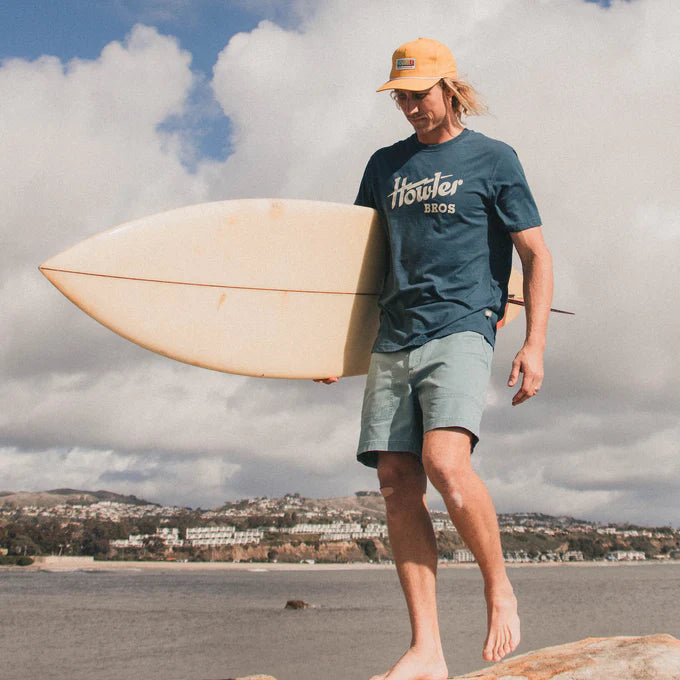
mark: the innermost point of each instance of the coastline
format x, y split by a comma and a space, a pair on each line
84, 564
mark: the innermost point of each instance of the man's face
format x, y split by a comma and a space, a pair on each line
426, 110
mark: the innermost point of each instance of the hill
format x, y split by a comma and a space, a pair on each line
48, 499
371, 503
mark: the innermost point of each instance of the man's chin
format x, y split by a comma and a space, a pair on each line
420, 125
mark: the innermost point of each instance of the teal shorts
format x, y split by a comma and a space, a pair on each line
441, 384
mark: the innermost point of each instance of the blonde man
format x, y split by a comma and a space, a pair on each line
454, 203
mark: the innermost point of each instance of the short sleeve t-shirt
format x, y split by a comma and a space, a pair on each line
448, 210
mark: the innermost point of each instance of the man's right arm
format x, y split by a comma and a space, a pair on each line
538, 288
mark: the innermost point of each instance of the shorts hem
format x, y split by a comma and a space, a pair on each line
368, 452
473, 429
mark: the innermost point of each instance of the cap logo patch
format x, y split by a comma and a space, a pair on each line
407, 64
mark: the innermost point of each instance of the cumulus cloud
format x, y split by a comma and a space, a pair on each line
586, 95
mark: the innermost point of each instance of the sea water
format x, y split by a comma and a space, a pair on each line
200, 625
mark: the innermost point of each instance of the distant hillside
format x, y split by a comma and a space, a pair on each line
48, 499
372, 504
368, 503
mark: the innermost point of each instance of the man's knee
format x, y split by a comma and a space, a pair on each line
400, 473
446, 460
451, 483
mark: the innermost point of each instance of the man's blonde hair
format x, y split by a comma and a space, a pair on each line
465, 99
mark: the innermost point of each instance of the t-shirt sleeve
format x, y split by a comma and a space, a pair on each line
365, 194
514, 205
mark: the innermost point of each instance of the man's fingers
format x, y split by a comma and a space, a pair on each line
528, 362
326, 381
519, 398
531, 385
514, 373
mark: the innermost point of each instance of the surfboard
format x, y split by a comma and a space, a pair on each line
276, 288
514, 305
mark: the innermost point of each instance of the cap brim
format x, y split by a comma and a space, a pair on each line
412, 83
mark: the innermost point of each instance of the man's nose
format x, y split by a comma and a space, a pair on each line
411, 105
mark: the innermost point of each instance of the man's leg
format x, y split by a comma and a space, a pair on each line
446, 459
403, 484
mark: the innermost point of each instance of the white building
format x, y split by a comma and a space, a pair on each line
339, 531
572, 556
224, 535
132, 541
375, 530
621, 555
443, 525
516, 556
170, 536
463, 555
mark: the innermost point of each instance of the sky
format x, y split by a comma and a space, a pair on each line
113, 111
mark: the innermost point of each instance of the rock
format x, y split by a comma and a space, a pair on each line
296, 604
653, 657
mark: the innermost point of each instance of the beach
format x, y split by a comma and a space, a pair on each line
57, 563
165, 621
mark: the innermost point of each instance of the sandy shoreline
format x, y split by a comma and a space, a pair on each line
64, 564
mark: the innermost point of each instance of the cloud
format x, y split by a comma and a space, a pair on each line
85, 150
587, 96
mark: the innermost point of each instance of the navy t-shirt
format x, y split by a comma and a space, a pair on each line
448, 210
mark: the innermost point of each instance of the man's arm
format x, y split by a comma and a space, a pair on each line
538, 290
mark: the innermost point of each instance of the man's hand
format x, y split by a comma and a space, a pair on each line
326, 381
528, 362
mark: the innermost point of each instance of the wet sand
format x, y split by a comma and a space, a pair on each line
53, 563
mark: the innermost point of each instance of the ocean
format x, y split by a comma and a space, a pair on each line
209, 625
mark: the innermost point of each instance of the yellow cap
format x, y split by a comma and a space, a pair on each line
420, 64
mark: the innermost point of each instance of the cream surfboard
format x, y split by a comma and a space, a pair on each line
265, 287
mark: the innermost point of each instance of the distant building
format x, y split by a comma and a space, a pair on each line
573, 556
463, 555
339, 531
516, 556
442, 525
132, 541
622, 555
170, 536
375, 530
224, 535
550, 556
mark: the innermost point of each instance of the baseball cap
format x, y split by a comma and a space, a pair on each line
420, 64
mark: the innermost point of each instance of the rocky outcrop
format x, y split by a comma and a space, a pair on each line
654, 657
300, 550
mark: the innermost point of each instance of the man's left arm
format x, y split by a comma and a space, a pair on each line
538, 290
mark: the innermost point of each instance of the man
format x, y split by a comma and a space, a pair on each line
453, 203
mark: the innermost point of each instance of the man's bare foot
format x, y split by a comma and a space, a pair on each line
503, 625
417, 665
